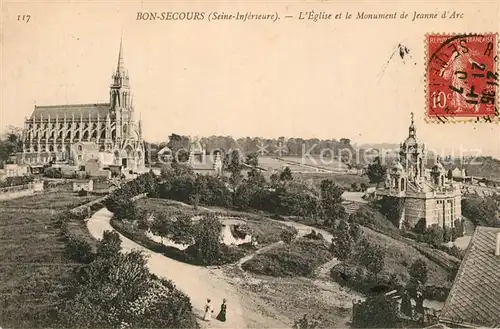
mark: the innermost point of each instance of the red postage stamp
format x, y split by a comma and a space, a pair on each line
462, 77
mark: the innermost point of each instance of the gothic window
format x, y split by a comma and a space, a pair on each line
79, 148
94, 135
103, 134
86, 135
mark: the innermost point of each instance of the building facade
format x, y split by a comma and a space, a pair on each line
427, 194
77, 133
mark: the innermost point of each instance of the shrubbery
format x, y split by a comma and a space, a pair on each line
79, 250
288, 234
376, 312
117, 290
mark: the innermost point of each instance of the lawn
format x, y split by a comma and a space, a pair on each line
299, 258
32, 258
399, 255
55, 200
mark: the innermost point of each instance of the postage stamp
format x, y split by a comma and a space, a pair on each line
462, 78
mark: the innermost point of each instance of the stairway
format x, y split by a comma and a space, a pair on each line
351, 207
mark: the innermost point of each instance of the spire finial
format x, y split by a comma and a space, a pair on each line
120, 68
412, 129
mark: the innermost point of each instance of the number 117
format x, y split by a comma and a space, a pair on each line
24, 18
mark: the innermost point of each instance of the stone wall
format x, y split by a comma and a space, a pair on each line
414, 210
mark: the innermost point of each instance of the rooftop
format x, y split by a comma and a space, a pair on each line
474, 299
76, 110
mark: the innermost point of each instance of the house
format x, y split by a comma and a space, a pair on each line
83, 184
474, 299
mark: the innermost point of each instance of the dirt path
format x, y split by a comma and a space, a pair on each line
197, 282
245, 309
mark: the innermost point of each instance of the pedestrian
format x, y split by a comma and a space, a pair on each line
208, 311
222, 314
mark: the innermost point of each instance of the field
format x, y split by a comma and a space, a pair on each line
266, 231
56, 200
298, 164
32, 257
343, 180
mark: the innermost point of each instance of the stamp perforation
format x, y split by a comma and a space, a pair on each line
450, 118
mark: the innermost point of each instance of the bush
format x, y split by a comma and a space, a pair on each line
138, 299
418, 271
288, 234
314, 235
79, 250
376, 312
357, 278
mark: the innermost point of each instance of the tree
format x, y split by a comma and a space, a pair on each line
376, 312
252, 159
232, 162
331, 202
372, 258
342, 243
161, 225
182, 230
392, 208
376, 171
355, 231
207, 239
286, 175
418, 271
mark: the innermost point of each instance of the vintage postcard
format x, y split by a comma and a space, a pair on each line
249, 164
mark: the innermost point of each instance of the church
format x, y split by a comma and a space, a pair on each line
427, 194
75, 134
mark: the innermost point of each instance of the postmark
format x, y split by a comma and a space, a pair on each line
462, 78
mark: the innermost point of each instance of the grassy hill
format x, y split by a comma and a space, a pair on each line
32, 257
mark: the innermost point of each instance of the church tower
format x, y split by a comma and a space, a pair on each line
413, 154
120, 99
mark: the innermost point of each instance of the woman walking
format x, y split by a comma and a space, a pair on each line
208, 311
222, 314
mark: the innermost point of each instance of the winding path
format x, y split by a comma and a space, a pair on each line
197, 282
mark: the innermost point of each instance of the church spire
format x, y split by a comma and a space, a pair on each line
411, 130
120, 67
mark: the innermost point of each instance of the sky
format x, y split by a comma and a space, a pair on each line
292, 78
